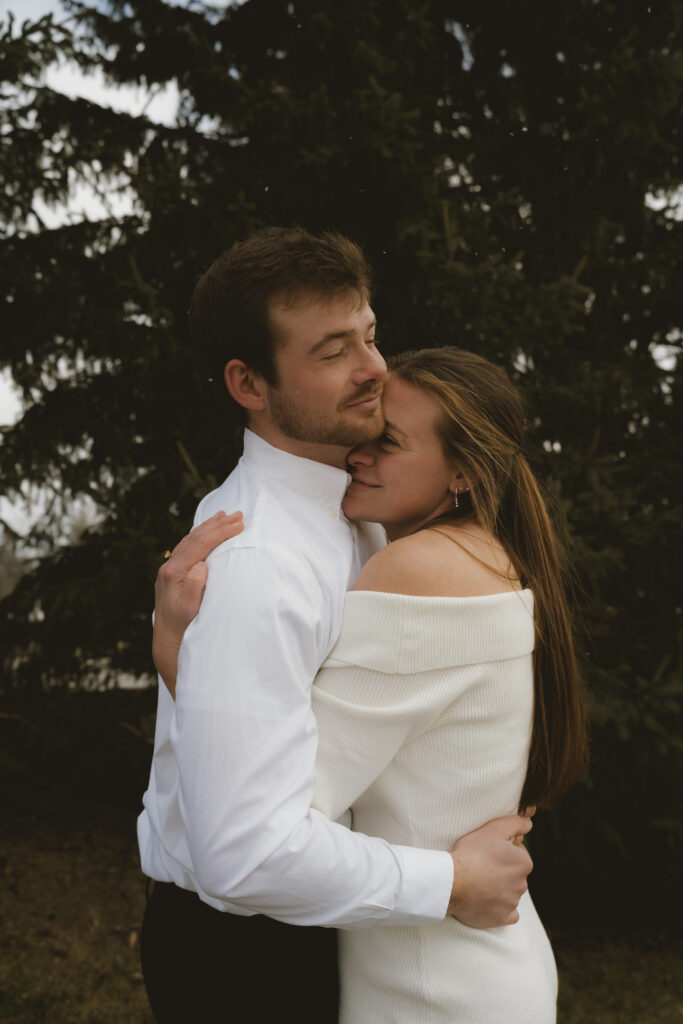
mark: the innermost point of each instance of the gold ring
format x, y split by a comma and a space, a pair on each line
167, 554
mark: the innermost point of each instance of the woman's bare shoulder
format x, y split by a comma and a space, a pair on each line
435, 564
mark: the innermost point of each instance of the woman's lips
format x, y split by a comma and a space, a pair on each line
362, 484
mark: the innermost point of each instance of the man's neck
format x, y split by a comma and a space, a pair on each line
328, 454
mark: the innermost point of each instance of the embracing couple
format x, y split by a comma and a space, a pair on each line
446, 698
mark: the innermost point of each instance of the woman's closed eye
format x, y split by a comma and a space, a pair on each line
388, 440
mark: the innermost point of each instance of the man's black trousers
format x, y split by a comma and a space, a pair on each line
203, 966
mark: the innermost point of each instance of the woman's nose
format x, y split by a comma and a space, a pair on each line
363, 455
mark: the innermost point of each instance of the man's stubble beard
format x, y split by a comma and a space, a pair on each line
300, 424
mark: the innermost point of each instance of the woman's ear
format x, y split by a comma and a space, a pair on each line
245, 385
459, 482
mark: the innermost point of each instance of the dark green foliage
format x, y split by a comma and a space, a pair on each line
494, 160
91, 750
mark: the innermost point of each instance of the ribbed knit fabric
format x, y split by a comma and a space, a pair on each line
425, 710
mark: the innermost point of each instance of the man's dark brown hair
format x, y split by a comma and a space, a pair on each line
229, 313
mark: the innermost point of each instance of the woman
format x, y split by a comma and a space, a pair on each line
452, 695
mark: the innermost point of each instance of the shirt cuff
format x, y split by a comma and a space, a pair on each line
426, 884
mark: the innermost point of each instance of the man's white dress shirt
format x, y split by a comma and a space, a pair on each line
228, 809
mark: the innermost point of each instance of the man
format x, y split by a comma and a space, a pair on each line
228, 828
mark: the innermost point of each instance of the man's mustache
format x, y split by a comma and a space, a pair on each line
364, 394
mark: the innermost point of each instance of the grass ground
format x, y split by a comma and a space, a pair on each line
73, 896
71, 908
620, 981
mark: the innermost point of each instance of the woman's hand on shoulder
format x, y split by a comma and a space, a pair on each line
179, 589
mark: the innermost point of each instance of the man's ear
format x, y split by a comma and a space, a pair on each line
247, 387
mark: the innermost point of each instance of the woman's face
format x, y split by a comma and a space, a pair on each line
402, 479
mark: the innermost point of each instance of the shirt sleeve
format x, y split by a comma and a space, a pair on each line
245, 738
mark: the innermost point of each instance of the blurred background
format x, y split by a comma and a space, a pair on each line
513, 172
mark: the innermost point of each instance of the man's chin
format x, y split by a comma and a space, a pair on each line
366, 426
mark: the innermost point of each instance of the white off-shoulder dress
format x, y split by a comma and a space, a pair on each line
425, 710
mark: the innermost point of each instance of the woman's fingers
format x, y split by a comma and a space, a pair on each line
181, 579
201, 541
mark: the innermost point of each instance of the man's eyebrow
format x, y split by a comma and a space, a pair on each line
338, 336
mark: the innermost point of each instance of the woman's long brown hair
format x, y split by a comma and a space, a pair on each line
482, 430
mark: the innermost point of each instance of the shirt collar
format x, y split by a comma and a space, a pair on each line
312, 480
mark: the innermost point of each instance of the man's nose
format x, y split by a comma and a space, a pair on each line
371, 365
